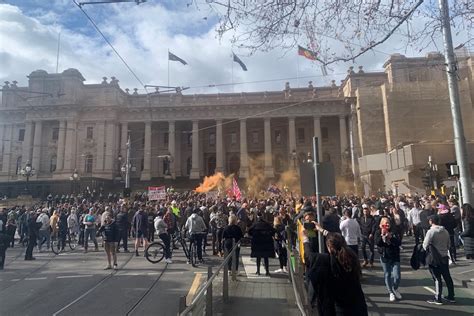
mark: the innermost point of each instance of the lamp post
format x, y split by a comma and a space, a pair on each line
74, 180
168, 159
27, 171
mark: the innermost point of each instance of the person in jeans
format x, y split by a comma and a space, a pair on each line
196, 228
388, 245
367, 228
232, 234
162, 231
447, 220
437, 243
140, 228
415, 222
122, 223
350, 230
90, 230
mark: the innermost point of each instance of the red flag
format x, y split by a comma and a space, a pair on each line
235, 190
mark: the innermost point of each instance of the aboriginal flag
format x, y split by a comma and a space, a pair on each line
306, 53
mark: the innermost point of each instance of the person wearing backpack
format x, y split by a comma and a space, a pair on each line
436, 243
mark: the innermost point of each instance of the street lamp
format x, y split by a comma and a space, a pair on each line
309, 159
27, 171
74, 180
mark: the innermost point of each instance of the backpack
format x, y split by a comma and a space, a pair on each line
418, 257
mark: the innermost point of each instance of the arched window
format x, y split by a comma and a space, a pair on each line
18, 165
52, 163
89, 162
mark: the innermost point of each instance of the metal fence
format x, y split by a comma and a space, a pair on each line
202, 302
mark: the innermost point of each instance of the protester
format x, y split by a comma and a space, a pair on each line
280, 240
388, 244
468, 233
367, 228
447, 220
350, 230
196, 229
90, 230
436, 243
232, 235
110, 235
162, 230
262, 243
140, 228
122, 224
44, 233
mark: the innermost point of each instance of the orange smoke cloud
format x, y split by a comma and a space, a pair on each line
210, 183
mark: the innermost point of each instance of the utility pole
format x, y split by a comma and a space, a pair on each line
127, 166
460, 145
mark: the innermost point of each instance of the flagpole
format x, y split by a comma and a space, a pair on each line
168, 67
232, 76
297, 71
57, 55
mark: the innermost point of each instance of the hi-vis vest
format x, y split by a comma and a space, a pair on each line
175, 210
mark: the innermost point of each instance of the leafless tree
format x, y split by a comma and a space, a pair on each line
338, 30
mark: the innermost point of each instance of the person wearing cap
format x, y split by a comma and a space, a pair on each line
447, 220
436, 243
367, 228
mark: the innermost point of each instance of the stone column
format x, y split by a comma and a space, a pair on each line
35, 163
110, 152
7, 145
291, 134
344, 143
61, 143
123, 140
146, 173
317, 133
219, 147
172, 148
194, 174
99, 162
27, 143
70, 150
268, 170
2, 140
177, 153
244, 158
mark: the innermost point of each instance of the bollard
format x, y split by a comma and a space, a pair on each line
182, 304
225, 284
209, 293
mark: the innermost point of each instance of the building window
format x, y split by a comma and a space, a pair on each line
188, 166
90, 132
52, 164
166, 167
254, 137
301, 135
324, 134
21, 135
212, 139
277, 137
233, 138
18, 165
55, 135
88, 164
166, 138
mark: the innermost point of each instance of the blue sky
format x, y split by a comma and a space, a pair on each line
143, 34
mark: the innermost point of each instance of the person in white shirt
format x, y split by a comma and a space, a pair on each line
350, 230
415, 222
44, 235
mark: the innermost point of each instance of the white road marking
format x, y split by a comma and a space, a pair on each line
429, 289
34, 279
74, 276
465, 271
15, 280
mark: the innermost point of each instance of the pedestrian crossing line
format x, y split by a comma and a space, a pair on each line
74, 276
429, 289
462, 272
15, 280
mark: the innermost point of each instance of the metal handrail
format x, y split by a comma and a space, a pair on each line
208, 283
299, 303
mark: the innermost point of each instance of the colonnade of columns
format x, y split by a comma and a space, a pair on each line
107, 146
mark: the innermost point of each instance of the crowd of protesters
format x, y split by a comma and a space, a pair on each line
375, 226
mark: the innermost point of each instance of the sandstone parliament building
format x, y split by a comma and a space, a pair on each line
376, 128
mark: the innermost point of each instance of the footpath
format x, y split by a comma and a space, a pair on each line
257, 295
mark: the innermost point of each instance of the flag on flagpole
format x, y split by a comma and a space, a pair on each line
173, 57
306, 53
240, 62
273, 189
235, 190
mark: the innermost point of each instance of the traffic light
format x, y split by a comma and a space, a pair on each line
426, 177
449, 169
439, 180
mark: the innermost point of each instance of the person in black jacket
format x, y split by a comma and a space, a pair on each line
33, 229
367, 226
110, 235
4, 241
334, 278
232, 235
262, 243
388, 244
447, 220
122, 223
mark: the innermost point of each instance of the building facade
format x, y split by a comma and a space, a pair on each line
60, 124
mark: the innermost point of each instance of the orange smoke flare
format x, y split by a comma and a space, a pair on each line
210, 183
